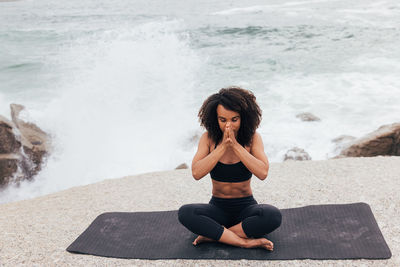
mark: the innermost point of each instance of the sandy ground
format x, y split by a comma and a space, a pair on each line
36, 232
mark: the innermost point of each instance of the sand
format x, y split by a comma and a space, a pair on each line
37, 231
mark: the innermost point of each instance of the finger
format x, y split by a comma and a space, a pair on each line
231, 133
225, 136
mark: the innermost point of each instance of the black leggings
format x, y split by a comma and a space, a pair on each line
209, 219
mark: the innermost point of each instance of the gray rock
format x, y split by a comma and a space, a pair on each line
23, 147
8, 142
297, 154
8, 166
384, 141
342, 142
31, 135
307, 116
182, 166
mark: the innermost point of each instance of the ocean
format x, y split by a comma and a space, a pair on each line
118, 84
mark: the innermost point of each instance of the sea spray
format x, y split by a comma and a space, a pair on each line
118, 111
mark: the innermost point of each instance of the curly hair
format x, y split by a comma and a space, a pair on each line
236, 99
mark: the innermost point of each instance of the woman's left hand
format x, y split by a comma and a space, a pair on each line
231, 136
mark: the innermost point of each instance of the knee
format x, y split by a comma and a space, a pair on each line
185, 213
272, 216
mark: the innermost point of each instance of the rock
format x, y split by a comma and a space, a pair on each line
342, 142
306, 116
8, 166
36, 143
384, 141
23, 148
182, 166
8, 141
297, 154
30, 133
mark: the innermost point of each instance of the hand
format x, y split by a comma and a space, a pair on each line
229, 139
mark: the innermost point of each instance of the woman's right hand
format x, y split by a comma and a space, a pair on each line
228, 138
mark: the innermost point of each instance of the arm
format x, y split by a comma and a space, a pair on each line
256, 161
204, 161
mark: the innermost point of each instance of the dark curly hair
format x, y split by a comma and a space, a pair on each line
236, 99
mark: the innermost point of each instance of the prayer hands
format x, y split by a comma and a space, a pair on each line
229, 138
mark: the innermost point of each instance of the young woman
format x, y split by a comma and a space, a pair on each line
231, 151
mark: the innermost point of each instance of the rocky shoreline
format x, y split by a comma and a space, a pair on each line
385, 141
24, 147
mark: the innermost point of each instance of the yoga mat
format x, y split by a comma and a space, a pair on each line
346, 231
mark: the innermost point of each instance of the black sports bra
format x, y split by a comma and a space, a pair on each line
232, 173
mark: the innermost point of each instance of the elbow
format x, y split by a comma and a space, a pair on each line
196, 176
265, 172
263, 176
195, 173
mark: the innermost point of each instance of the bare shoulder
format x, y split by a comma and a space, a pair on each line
256, 142
204, 138
257, 148
256, 138
205, 141
257, 135
203, 149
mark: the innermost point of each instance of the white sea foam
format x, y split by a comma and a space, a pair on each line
362, 13
119, 110
267, 8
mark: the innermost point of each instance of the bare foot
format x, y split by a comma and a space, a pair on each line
265, 243
201, 239
261, 243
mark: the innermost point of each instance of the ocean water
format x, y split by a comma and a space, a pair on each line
118, 84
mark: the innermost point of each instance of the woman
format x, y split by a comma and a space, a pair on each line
231, 151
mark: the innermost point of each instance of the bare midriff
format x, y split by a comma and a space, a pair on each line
227, 189
231, 190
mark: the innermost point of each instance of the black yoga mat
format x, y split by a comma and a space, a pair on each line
347, 231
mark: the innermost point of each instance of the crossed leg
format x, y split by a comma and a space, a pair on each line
208, 221
235, 236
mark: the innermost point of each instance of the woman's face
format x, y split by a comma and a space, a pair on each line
228, 117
